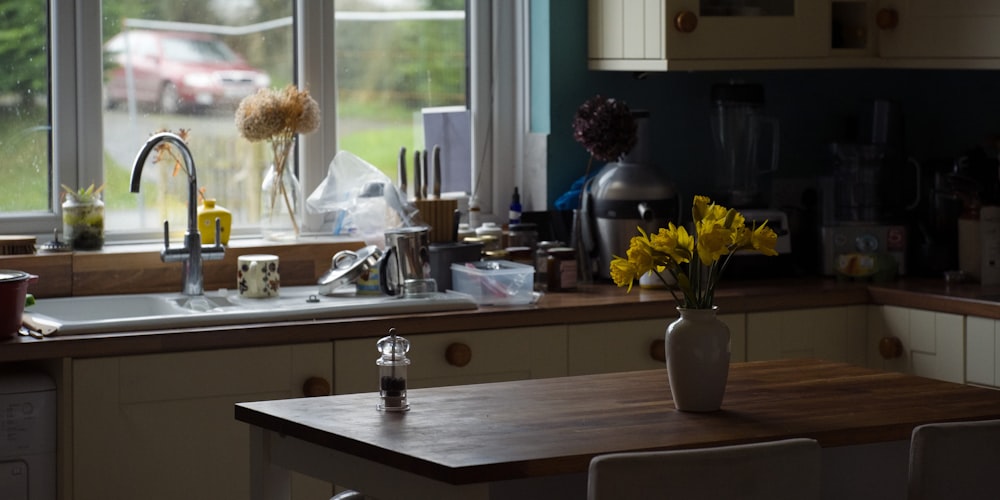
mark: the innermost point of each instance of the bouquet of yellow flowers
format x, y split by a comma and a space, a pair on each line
696, 262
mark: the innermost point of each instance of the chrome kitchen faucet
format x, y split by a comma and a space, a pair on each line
192, 255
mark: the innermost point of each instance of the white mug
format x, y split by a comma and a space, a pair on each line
257, 276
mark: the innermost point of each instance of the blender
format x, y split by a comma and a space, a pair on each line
738, 129
746, 148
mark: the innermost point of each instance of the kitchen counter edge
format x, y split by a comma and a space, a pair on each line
589, 304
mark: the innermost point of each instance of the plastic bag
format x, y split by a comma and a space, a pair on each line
357, 199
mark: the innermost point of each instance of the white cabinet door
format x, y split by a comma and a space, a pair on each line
489, 355
628, 345
982, 351
161, 426
647, 35
941, 29
835, 334
933, 343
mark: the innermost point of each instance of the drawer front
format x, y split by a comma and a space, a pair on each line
458, 358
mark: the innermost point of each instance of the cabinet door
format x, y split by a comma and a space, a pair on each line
161, 426
982, 351
644, 34
835, 334
442, 359
933, 343
941, 29
629, 345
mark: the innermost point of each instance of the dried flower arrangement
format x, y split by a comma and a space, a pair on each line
277, 116
605, 127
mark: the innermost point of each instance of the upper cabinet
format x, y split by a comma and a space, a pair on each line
657, 35
939, 29
662, 35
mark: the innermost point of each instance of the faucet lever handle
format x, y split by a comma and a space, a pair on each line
218, 231
166, 234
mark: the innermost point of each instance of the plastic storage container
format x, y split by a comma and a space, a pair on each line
495, 282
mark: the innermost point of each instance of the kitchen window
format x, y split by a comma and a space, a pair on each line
106, 96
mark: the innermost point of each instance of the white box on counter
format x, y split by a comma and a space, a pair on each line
494, 282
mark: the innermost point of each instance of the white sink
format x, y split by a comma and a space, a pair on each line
117, 313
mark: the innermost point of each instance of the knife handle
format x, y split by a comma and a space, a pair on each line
427, 177
436, 159
417, 178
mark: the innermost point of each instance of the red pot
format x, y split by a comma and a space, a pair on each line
13, 289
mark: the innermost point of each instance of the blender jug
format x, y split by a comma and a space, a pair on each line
737, 129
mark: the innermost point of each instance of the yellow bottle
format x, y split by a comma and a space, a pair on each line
208, 211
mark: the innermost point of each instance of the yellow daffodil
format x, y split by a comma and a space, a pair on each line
695, 261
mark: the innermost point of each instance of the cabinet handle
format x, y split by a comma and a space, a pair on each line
658, 350
316, 386
458, 354
686, 21
890, 347
887, 19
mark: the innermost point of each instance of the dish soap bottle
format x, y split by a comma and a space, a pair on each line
514, 215
208, 211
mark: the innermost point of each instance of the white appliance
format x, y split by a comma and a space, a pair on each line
27, 436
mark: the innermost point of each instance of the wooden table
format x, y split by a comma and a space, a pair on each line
519, 439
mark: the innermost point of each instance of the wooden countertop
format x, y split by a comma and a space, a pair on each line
590, 304
511, 430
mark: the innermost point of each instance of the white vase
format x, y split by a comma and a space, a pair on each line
281, 196
697, 352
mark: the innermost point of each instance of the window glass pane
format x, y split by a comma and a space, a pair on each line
395, 58
24, 107
172, 65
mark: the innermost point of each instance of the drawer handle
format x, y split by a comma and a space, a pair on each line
890, 347
658, 350
887, 19
686, 21
458, 354
316, 386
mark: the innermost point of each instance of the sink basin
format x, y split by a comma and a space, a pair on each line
117, 313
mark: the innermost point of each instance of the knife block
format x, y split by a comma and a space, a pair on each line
440, 216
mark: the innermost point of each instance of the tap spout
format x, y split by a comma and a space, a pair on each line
192, 254
140, 161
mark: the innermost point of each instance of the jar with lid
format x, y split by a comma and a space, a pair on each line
561, 269
524, 234
392, 366
542, 260
492, 236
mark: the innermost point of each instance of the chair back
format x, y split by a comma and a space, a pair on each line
774, 470
955, 461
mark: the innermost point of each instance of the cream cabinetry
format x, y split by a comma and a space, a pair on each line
926, 343
441, 359
657, 35
662, 35
982, 351
634, 345
834, 333
933, 29
161, 426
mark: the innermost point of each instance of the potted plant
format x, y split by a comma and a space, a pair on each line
83, 217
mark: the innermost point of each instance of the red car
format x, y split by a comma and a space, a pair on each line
172, 71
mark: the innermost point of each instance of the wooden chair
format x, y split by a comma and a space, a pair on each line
955, 461
774, 470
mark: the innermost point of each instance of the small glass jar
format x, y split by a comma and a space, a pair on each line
83, 223
542, 261
392, 367
524, 234
492, 236
561, 269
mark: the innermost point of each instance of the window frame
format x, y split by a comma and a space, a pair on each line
497, 46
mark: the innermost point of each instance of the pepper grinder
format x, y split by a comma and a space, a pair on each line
392, 367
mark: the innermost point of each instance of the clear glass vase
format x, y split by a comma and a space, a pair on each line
280, 203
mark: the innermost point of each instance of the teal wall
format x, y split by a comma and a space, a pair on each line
946, 112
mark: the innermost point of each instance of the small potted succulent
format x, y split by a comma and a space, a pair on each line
83, 217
